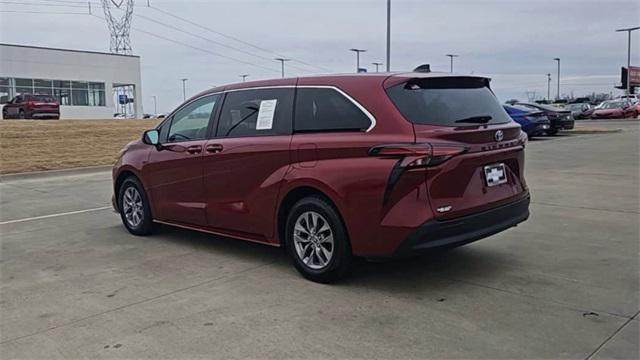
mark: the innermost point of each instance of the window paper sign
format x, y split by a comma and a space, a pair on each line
266, 114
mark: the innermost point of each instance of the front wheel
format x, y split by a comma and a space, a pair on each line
135, 211
317, 240
552, 132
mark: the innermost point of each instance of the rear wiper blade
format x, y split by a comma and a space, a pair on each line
475, 119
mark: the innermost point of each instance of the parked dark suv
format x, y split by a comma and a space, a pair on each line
378, 165
26, 106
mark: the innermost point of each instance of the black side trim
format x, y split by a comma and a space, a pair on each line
466, 229
393, 179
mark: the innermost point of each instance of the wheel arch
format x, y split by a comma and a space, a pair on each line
122, 176
293, 196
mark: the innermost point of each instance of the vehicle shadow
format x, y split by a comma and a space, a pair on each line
427, 271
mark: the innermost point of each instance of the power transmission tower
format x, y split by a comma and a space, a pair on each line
119, 26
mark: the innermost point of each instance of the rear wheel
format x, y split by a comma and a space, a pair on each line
317, 240
21, 115
135, 211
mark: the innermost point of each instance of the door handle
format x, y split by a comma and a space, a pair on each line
214, 148
194, 149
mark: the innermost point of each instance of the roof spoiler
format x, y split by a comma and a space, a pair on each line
424, 68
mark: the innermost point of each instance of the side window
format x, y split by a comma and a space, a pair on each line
321, 109
190, 122
256, 113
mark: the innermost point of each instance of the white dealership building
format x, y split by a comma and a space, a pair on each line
87, 84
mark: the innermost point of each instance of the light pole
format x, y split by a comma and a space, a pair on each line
388, 35
358, 51
628, 30
548, 86
184, 88
451, 56
558, 85
376, 64
244, 77
282, 61
155, 105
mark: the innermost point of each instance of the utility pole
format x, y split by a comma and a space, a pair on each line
357, 51
244, 77
376, 64
184, 88
451, 56
628, 30
388, 35
155, 105
548, 86
282, 61
558, 89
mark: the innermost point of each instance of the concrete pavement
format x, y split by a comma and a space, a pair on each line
564, 284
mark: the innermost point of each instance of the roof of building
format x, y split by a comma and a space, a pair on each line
70, 50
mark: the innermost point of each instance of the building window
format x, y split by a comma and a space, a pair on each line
96, 94
5, 90
79, 93
42, 87
62, 91
24, 86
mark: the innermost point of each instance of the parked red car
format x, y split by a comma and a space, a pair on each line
615, 109
26, 106
378, 165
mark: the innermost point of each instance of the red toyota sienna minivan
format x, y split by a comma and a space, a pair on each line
331, 167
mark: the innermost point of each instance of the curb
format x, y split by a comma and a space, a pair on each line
53, 173
588, 130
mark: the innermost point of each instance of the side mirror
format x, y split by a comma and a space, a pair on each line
151, 137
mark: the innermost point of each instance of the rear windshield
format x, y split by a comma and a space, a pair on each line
43, 98
448, 101
543, 107
524, 108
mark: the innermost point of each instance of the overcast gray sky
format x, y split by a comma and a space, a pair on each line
513, 42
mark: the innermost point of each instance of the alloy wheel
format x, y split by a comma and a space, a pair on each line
313, 240
132, 207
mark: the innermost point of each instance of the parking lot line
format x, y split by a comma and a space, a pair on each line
54, 215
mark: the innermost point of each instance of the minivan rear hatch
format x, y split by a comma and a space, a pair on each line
462, 111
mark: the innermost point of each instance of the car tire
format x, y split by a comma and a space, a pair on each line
325, 256
134, 208
21, 115
551, 132
5, 116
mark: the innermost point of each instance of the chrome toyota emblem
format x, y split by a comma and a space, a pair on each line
499, 135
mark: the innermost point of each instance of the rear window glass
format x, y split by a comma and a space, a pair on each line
44, 98
524, 108
448, 101
543, 107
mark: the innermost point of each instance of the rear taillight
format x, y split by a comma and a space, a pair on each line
418, 155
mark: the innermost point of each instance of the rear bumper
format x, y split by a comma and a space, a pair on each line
562, 124
44, 114
536, 129
456, 232
568, 124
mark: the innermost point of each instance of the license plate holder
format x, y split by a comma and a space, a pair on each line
495, 174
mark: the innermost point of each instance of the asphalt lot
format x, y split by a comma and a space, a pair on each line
565, 284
